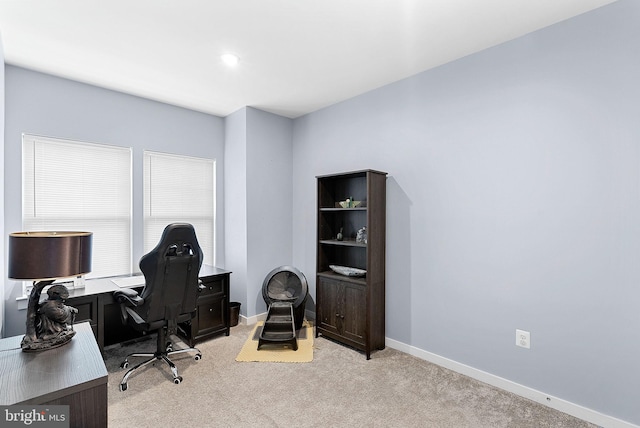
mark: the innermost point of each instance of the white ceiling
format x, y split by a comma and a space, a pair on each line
296, 56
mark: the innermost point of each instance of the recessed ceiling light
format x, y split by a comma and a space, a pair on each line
230, 59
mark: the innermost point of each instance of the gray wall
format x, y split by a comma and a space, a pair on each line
269, 199
235, 207
513, 203
258, 204
42, 104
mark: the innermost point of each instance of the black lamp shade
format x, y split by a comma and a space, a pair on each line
49, 255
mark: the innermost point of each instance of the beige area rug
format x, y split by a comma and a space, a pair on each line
275, 353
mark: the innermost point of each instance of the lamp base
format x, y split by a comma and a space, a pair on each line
43, 344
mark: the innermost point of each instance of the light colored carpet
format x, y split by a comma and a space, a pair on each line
340, 388
275, 353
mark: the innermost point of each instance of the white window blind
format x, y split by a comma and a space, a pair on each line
179, 189
69, 185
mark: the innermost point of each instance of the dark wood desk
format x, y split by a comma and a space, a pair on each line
73, 375
96, 305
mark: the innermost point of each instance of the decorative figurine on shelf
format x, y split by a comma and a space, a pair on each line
339, 236
54, 323
361, 237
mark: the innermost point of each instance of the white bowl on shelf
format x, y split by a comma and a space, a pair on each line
347, 271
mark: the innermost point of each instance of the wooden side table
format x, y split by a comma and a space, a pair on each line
73, 375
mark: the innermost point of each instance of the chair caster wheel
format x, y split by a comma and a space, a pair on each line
177, 380
123, 387
124, 365
169, 347
198, 357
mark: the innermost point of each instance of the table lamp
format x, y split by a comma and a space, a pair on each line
44, 257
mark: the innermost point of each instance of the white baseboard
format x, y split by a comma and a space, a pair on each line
515, 388
252, 320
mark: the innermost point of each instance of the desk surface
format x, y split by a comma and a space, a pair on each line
95, 286
41, 377
106, 285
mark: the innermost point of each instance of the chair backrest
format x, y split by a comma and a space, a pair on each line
171, 274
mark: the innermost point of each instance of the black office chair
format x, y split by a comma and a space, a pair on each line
168, 297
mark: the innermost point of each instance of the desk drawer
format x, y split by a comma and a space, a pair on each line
211, 315
212, 287
87, 307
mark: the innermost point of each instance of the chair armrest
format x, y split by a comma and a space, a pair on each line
127, 295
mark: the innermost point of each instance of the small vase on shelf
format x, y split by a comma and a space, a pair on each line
361, 237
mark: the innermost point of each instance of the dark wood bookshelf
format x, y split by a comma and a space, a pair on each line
350, 309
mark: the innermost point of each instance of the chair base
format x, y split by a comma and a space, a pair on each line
162, 355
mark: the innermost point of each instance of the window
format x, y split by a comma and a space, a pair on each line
68, 185
179, 189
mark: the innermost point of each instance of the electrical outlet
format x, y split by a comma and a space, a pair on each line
523, 339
